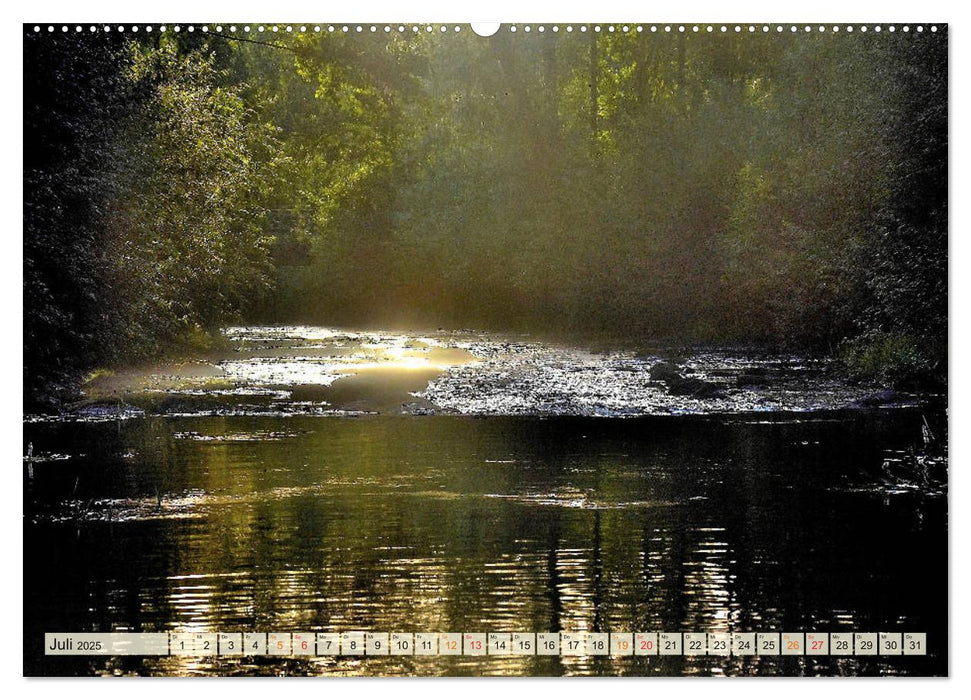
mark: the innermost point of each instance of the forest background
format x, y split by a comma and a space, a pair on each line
620, 188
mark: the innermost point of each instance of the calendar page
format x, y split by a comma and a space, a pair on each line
599, 348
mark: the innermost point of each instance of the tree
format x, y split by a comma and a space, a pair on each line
186, 234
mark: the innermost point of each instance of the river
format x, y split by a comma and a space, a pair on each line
311, 479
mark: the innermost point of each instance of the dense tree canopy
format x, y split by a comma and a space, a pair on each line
789, 191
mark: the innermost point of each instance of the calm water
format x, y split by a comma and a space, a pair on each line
748, 522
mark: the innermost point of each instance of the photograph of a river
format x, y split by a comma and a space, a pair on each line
317, 479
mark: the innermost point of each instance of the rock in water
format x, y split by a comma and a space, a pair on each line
665, 372
692, 386
684, 386
880, 398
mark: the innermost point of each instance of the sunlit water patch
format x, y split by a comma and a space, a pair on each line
309, 370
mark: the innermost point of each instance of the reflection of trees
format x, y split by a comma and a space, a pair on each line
392, 524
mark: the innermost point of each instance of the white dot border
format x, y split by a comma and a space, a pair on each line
630, 28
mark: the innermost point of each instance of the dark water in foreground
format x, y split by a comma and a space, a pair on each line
452, 523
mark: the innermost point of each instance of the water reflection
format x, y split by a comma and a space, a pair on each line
458, 524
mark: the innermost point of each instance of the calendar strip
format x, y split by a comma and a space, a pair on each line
566, 644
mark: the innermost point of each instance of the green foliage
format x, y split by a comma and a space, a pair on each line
145, 194
186, 230
783, 190
74, 95
889, 358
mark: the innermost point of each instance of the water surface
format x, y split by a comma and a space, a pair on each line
227, 519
